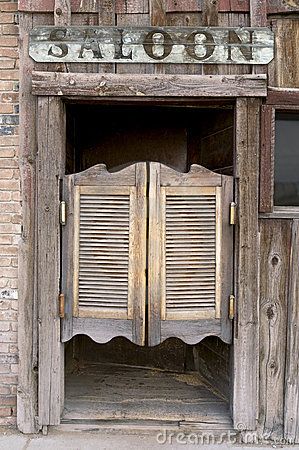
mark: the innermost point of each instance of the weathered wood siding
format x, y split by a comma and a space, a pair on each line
276, 297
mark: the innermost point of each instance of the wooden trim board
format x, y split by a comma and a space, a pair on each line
115, 85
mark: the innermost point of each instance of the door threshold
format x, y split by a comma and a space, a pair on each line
135, 426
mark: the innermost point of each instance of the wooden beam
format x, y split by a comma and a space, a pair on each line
266, 196
139, 6
27, 320
283, 97
275, 250
62, 12
50, 168
114, 85
246, 344
291, 403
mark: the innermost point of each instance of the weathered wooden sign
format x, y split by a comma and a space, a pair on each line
152, 45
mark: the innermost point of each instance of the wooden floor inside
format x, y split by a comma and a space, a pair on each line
106, 391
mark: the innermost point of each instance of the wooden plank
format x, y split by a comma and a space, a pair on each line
158, 45
286, 63
258, 18
114, 85
291, 400
138, 20
131, 6
134, 6
106, 17
275, 250
210, 19
266, 196
139, 245
277, 6
283, 97
51, 135
246, 364
233, 20
62, 12
154, 257
27, 327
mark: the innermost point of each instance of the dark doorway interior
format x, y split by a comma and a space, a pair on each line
174, 381
173, 135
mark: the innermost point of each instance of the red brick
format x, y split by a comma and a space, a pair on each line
5, 196
13, 185
6, 85
4, 390
9, 74
9, 140
7, 18
8, 315
9, 207
8, 336
8, 41
7, 152
10, 29
9, 52
8, 272
11, 97
5, 239
5, 411
6, 108
7, 163
8, 250
8, 6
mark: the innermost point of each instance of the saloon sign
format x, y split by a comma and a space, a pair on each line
152, 45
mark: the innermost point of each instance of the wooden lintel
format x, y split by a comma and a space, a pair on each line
114, 85
283, 97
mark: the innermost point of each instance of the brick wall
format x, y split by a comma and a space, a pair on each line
9, 209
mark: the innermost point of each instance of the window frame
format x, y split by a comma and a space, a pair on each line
283, 101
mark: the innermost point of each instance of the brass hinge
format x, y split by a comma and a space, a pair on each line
232, 306
62, 213
233, 213
61, 306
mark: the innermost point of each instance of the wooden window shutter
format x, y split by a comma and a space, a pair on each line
190, 254
104, 254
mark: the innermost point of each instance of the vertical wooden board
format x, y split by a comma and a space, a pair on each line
227, 250
134, 20
131, 6
183, 5
210, 19
62, 12
291, 401
154, 257
266, 195
27, 313
51, 136
233, 19
106, 17
157, 11
139, 227
81, 20
286, 63
67, 259
258, 18
275, 249
245, 407
184, 20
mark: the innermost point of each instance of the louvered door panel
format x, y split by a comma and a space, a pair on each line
103, 252
190, 252
190, 262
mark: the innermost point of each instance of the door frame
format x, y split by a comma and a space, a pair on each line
41, 379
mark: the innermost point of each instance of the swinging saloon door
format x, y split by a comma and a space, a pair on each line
182, 237
190, 254
104, 254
